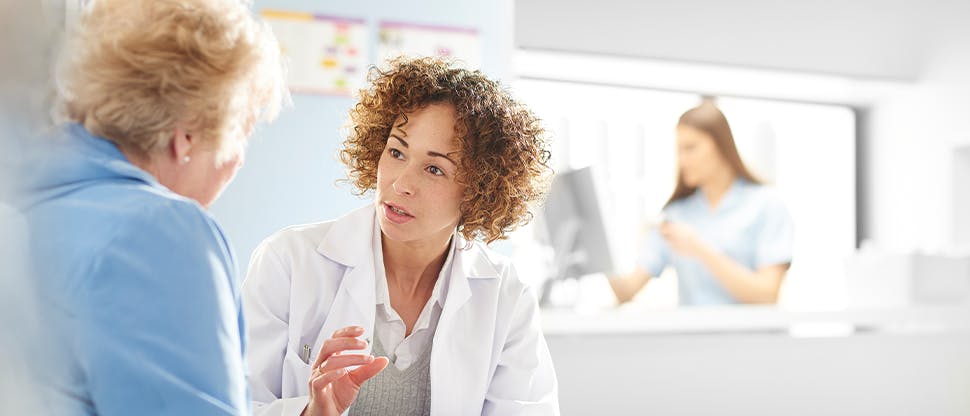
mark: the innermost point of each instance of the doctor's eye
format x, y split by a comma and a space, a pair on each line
436, 171
395, 153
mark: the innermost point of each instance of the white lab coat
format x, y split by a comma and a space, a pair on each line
305, 282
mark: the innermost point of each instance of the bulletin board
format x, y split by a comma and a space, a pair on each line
326, 54
462, 44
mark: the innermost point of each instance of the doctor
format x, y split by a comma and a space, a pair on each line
396, 307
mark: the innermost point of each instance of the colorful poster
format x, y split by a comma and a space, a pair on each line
398, 38
326, 55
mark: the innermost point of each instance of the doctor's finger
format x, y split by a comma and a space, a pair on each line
352, 331
365, 372
334, 346
345, 360
348, 331
317, 383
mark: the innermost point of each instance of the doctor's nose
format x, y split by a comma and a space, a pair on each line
403, 185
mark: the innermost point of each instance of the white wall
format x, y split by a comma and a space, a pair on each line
28, 33
912, 138
961, 195
857, 37
912, 124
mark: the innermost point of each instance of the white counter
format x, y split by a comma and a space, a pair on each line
633, 319
762, 361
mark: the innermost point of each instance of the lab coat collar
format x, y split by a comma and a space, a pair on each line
472, 261
349, 241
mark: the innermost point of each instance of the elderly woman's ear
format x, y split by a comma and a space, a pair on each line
181, 147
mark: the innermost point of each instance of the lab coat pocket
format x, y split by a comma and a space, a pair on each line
297, 372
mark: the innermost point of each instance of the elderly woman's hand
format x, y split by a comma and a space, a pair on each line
333, 388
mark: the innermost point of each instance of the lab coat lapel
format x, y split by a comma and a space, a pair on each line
463, 339
470, 264
349, 243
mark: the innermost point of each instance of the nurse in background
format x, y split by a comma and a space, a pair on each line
728, 236
137, 283
398, 308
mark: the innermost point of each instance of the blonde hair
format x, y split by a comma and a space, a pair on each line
136, 69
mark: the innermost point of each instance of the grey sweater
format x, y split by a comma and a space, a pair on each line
396, 392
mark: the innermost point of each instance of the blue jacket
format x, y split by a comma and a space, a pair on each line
138, 285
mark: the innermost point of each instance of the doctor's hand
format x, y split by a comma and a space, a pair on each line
333, 388
683, 239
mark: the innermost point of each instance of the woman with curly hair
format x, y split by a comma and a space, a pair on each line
403, 294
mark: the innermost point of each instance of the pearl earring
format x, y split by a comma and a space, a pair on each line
186, 159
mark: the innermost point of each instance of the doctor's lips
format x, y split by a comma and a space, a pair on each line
396, 213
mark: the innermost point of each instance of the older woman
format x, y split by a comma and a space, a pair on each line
446, 326
137, 280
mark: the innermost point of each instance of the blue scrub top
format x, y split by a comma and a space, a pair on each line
137, 286
751, 225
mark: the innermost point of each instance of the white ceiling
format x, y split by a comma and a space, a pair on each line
858, 38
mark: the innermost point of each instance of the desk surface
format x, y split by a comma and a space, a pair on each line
635, 319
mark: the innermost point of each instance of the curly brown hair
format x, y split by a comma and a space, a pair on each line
503, 160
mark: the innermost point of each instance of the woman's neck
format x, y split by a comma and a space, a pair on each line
718, 186
412, 268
